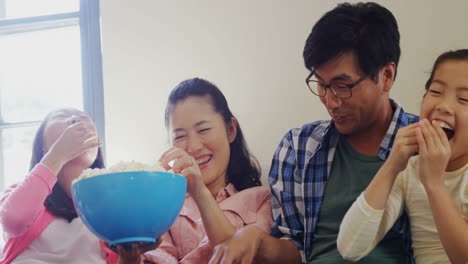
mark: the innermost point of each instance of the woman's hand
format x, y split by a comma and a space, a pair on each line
186, 165
242, 247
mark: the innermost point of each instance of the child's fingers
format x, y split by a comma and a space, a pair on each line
73, 120
77, 126
410, 140
89, 137
441, 134
92, 142
428, 133
410, 146
410, 126
406, 138
421, 141
414, 148
87, 122
406, 135
77, 130
408, 130
434, 136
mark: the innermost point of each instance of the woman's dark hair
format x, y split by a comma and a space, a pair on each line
461, 54
367, 29
243, 169
38, 144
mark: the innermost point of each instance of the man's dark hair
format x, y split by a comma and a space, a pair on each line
367, 29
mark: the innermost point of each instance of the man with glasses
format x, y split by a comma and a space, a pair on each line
318, 170
340, 89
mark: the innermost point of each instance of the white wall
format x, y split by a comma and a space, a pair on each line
253, 51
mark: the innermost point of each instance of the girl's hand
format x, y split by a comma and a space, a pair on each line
434, 152
76, 139
186, 165
404, 146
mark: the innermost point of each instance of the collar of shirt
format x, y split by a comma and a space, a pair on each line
190, 208
225, 193
243, 206
400, 119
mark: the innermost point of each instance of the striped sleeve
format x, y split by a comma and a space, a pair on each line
286, 198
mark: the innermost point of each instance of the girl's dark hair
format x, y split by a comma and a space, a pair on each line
57, 202
461, 54
38, 143
243, 168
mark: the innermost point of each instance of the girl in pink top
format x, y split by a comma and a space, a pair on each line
224, 191
37, 214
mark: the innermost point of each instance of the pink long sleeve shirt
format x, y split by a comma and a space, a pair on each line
24, 217
186, 241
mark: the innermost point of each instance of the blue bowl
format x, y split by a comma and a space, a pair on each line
126, 207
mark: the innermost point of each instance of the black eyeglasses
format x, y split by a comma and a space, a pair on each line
338, 89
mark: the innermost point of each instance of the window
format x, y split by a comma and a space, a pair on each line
50, 57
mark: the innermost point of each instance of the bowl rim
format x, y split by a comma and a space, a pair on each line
75, 181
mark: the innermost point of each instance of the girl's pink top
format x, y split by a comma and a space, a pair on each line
24, 217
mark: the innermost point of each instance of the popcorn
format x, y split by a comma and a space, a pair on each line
120, 167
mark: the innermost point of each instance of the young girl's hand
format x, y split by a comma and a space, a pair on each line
186, 165
404, 146
434, 152
78, 137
